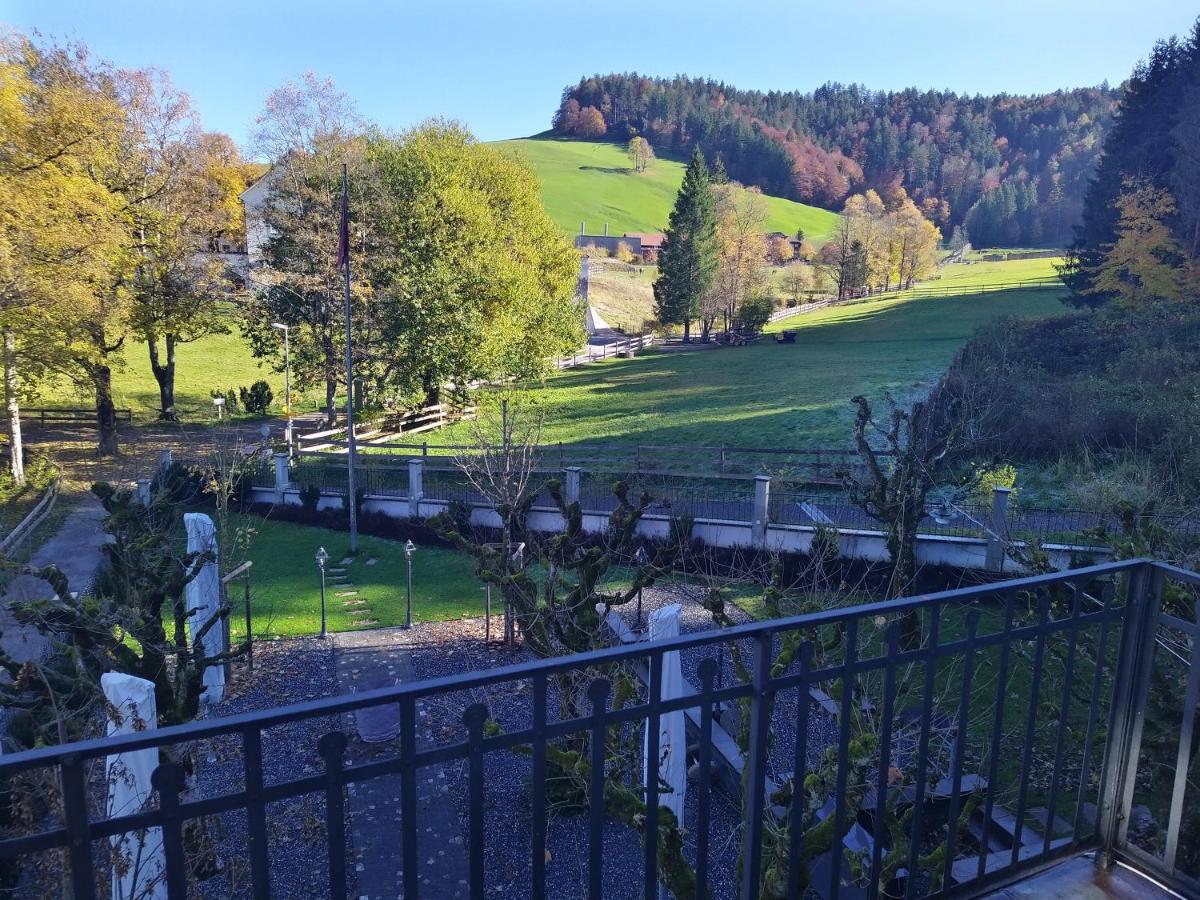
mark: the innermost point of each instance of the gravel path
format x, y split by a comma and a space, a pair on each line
288, 671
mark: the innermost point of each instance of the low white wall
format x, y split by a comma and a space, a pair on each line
870, 546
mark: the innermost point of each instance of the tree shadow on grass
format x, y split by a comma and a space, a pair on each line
608, 170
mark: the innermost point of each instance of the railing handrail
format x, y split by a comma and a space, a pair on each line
327, 706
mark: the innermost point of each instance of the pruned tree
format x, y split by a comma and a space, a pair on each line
120, 626
893, 481
559, 592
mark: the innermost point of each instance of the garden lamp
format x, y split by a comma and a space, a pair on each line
409, 549
322, 558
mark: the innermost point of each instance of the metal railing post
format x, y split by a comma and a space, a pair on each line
1131, 681
282, 476
571, 484
760, 518
416, 486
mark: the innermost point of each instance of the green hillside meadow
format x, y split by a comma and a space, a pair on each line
585, 181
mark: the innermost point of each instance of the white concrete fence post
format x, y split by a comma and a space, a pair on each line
165, 461
998, 534
571, 485
143, 491
282, 476
759, 521
416, 487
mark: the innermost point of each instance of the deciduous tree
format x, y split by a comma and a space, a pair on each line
641, 154
1146, 262
473, 280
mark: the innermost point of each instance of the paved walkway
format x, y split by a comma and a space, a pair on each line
364, 660
75, 549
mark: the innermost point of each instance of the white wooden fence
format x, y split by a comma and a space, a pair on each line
35, 517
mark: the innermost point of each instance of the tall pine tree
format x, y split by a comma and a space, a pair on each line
687, 265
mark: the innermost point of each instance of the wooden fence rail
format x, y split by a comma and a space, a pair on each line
45, 414
35, 517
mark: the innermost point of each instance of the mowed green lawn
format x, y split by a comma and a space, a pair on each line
286, 583
773, 395
215, 363
585, 181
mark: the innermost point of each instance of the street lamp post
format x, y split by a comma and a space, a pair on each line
287, 380
322, 558
409, 549
640, 558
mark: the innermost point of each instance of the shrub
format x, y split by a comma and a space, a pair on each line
310, 496
754, 313
257, 400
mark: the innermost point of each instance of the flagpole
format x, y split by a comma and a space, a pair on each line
352, 455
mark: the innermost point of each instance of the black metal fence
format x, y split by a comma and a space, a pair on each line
945, 743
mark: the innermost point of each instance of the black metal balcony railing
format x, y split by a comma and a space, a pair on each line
1007, 725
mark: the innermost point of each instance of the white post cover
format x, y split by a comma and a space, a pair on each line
672, 740
140, 875
204, 596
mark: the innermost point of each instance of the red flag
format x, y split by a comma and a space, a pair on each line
343, 256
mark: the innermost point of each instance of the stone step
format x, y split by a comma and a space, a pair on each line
353, 602
363, 623
346, 594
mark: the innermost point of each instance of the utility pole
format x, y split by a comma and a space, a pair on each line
352, 455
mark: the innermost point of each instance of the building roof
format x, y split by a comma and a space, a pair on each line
649, 239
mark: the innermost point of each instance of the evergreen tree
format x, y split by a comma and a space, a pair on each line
687, 265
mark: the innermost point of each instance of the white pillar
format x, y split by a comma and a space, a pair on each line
282, 476
141, 872
762, 497
998, 535
164, 460
204, 596
672, 739
143, 491
416, 487
571, 486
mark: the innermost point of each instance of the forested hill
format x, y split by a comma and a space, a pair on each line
1012, 169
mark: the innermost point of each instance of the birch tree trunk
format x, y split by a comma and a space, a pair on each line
12, 404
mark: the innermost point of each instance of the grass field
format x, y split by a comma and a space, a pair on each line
218, 362
774, 395
584, 181
286, 584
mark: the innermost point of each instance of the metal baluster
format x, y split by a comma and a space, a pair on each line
169, 780
75, 817
883, 781
1035, 691
796, 867
474, 717
707, 672
1093, 710
653, 734
598, 692
1064, 711
539, 786
997, 729
960, 747
256, 814
408, 793
760, 729
1183, 755
847, 710
333, 747
914, 851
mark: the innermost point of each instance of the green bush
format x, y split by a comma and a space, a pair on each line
755, 313
310, 496
257, 399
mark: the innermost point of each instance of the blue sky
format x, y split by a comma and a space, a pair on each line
500, 67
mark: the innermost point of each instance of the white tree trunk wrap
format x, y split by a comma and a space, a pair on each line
138, 863
672, 740
204, 596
